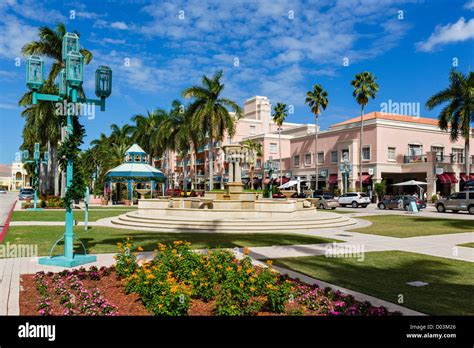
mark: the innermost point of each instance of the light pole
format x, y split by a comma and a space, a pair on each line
70, 82
345, 169
36, 163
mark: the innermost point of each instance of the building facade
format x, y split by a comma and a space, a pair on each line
396, 148
13, 176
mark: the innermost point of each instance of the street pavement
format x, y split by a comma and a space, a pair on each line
6, 202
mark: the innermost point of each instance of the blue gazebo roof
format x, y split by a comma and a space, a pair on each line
135, 167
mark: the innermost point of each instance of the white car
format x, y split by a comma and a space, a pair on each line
354, 199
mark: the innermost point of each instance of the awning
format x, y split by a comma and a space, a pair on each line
447, 178
332, 179
283, 179
464, 177
365, 178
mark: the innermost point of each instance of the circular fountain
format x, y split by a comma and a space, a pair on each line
231, 211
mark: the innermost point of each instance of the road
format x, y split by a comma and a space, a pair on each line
6, 202
429, 211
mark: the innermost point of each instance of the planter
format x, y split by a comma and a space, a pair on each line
104, 202
127, 202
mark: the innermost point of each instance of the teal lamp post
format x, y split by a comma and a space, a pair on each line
70, 81
346, 168
36, 161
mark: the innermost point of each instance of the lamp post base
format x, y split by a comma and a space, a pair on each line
61, 261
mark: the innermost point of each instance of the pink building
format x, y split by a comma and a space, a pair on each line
396, 148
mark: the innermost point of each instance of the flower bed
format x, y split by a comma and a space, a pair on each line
179, 281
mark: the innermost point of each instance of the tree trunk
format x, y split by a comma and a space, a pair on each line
279, 150
360, 147
316, 154
211, 165
467, 161
54, 168
251, 176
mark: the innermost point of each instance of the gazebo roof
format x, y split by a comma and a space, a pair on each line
135, 149
141, 171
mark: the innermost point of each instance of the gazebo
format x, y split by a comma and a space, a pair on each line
135, 169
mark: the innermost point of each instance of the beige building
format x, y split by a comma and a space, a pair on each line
13, 176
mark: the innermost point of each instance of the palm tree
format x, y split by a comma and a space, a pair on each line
458, 115
255, 149
49, 45
317, 99
145, 132
365, 87
209, 113
280, 112
121, 135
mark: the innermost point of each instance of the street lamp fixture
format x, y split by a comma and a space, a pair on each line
103, 82
34, 73
70, 81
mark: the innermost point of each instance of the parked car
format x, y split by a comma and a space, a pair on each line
400, 202
354, 199
3, 191
456, 202
26, 194
173, 192
326, 202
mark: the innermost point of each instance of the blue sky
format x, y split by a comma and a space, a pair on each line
275, 48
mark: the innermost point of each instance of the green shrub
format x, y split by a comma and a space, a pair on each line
434, 198
125, 259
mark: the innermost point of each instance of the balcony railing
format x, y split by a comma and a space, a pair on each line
440, 158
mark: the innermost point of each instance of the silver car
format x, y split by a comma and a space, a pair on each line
26, 194
456, 202
326, 202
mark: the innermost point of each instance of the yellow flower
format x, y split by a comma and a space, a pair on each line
174, 289
249, 271
140, 248
119, 244
177, 242
246, 251
160, 305
219, 266
239, 268
252, 289
228, 268
193, 273
269, 262
128, 245
150, 276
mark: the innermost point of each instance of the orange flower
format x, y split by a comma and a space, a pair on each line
119, 244
140, 248
269, 262
246, 251
249, 271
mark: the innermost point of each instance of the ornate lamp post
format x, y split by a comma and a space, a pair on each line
345, 169
70, 81
36, 163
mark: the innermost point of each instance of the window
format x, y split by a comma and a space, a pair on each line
138, 158
276, 165
345, 154
273, 148
366, 153
259, 164
457, 156
252, 129
296, 160
391, 154
307, 159
460, 195
439, 153
333, 156
414, 150
320, 157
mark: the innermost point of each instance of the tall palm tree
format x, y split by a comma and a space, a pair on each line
317, 99
210, 114
145, 132
280, 112
49, 46
458, 114
255, 149
365, 87
121, 135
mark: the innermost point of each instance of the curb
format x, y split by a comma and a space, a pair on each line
7, 223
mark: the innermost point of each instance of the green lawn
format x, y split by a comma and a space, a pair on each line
412, 226
58, 215
385, 274
100, 239
468, 245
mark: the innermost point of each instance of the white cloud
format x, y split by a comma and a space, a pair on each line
119, 25
450, 33
15, 34
469, 5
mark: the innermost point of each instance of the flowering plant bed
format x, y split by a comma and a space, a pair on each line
179, 281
